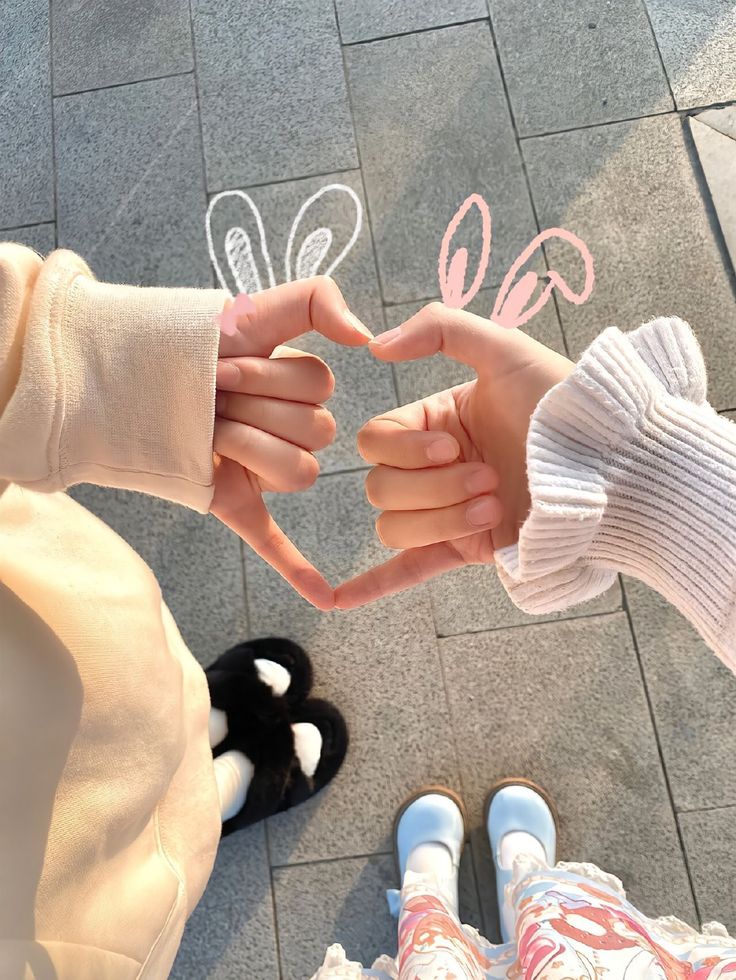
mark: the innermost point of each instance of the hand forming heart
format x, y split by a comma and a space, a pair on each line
448, 469
269, 418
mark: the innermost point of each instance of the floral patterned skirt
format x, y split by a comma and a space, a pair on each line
573, 922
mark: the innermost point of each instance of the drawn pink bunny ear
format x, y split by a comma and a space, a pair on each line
321, 246
452, 279
511, 307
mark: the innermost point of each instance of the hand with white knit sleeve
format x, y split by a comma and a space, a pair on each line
617, 464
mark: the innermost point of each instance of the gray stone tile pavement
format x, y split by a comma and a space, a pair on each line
131, 195
698, 46
714, 133
41, 237
272, 91
232, 933
569, 64
26, 144
429, 135
364, 20
122, 42
693, 697
619, 711
630, 191
395, 693
710, 839
580, 726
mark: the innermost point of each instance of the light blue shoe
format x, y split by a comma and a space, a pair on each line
435, 815
518, 805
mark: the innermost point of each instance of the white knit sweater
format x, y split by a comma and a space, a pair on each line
631, 470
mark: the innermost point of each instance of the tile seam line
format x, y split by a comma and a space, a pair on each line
54, 177
707, 809
332, 860
274, 907
660, 752
137, 81
524, 169
418, 30
351, 108
39, 224
359, 171
629, 119
199, 117
645, 8
541, 622
239, 185
458, 767
282, 180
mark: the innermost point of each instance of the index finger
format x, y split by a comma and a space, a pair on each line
287, 311
245, 513
465, 337
402, 572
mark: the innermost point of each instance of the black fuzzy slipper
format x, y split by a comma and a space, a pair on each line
234, 681
279, 782
334, 731
259, 726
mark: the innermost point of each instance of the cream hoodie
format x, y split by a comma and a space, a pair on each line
109, 819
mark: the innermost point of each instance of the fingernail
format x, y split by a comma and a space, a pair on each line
356, 324
441, 451
227, 373
482, 512
481, 481
388, 336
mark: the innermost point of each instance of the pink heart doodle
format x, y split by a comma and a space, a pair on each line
509, 310
228, 319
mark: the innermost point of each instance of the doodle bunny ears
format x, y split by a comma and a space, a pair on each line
510, 309
246, 269
242, 267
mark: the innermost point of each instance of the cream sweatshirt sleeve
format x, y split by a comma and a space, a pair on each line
631, 470
103, 383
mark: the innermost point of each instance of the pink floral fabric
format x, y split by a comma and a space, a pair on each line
573, 922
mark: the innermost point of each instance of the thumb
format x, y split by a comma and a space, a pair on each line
284, 312
465, 337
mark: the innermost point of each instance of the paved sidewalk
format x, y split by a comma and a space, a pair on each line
559, 113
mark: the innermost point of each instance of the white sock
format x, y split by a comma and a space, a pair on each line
519, 842
233, 773
435, 859
218, 726
277, 677
307, 746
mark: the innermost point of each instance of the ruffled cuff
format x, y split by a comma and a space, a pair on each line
630, 470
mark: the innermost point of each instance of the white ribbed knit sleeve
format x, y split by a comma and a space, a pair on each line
631, 470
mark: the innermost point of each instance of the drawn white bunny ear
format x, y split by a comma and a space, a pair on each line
233, 224
317, 241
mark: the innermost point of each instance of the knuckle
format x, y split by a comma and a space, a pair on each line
325, 381
386, 533
372, 488
325, 426
254, 369
305, 473
364, 440
325, 282
435, 310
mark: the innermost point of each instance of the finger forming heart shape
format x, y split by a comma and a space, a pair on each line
249, 458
